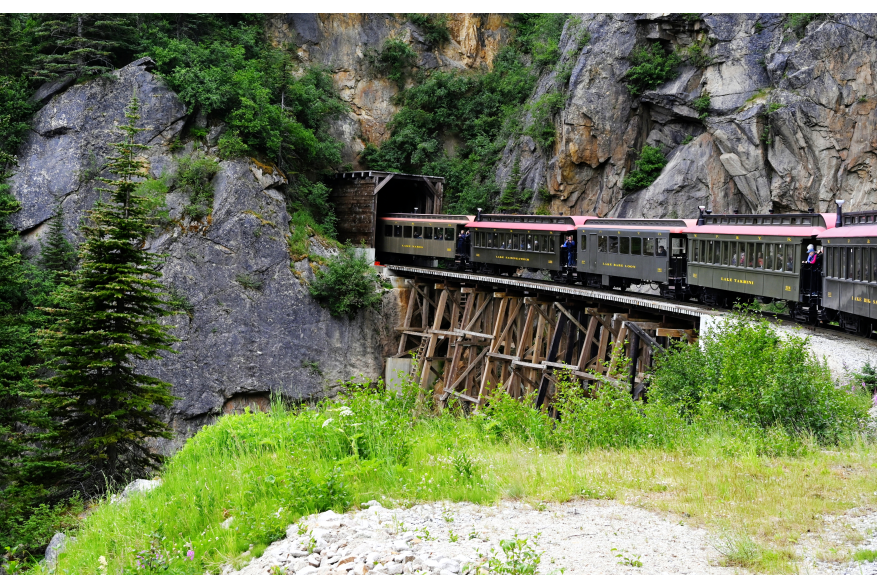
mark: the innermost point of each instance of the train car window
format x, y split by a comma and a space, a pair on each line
529, 242
759, 255
851, 263
427, 232
749, 220
779, 257
704, 251
388, 230
660, 247
866, 264
449, 234
734, 258
439, 234
613, 244
516, 241
584, 240
397, 231
873, 264
678, 245
625, 245
551, 243
418, 232
858, 263
768, 256
750, 255
636, 245
649, 247
725, 251
407, 232
601, 244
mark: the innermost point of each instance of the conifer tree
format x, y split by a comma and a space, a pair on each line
79, 44
57, 254
109, 326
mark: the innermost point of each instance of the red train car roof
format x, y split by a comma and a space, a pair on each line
851, 231
674, 226
542, 226
428, 218
800, 230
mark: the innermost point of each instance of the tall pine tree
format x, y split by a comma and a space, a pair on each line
79, 44
57, 254
109, 326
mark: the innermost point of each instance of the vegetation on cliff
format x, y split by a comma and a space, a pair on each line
482, 110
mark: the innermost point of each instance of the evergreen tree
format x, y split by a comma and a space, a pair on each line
57, 254
16, 44
108, 327
79, 44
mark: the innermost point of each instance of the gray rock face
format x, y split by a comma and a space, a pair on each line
253, 329
790, 120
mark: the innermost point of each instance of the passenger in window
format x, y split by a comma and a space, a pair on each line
662, 252
536, 244
760, 262
418, 232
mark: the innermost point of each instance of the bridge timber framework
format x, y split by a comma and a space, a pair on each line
473, 334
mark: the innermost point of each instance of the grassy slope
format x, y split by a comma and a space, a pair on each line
266, 470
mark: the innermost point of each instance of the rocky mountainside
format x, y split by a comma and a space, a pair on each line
790, 122
251, 327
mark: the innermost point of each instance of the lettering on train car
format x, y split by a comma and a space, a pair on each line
742, 281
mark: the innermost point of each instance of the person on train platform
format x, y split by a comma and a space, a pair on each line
467, 242
570, 245
460, 242
811, 255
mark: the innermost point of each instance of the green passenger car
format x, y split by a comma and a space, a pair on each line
748, 256
503, 243
850, 272
421, 239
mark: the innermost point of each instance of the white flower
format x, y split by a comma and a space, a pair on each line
327, 422
345, 411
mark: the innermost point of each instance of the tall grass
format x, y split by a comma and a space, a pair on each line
759, 487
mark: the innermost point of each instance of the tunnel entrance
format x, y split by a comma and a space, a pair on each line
360, 197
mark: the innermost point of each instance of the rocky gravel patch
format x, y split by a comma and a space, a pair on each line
580, 537
828, 552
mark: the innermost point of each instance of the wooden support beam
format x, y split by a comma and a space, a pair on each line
383, 183
636, 329
460, 332
577, 324
501, 357
552, 356
469, 368
559, 365
485, 374
585, 355
674, 332
544, 314
618, 348
526, 365
433, 339
645, 325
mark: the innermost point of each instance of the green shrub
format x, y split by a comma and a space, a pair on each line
27, 535
798, 21
541, 129
248, 281
434, 27
395, 60
650, 67
696, 55
506, 419
231, 146
348, 283
154, 192
687, 139
539, 35
193, 175
646, 170
745, 371
702, 105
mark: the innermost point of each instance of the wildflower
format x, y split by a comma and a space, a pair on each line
191, 554
327, 422
345, 411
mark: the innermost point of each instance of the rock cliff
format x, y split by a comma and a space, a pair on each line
251, 327
790, 124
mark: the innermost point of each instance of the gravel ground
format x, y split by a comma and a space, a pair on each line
583, 537
843, 535
844, 352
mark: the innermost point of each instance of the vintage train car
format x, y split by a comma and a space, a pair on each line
418, 239
619, 252
747, 256
850, 272
503, 243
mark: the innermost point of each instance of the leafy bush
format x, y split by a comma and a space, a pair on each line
194, 173
543, 110
231, 146
348, 283
154, 192
650, 67
506, 418
539, 35
702, 105
646, 170
798, 21
27, 535
434, 27
745, 371
395, 60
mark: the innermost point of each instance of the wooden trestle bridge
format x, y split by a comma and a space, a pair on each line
475, 333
